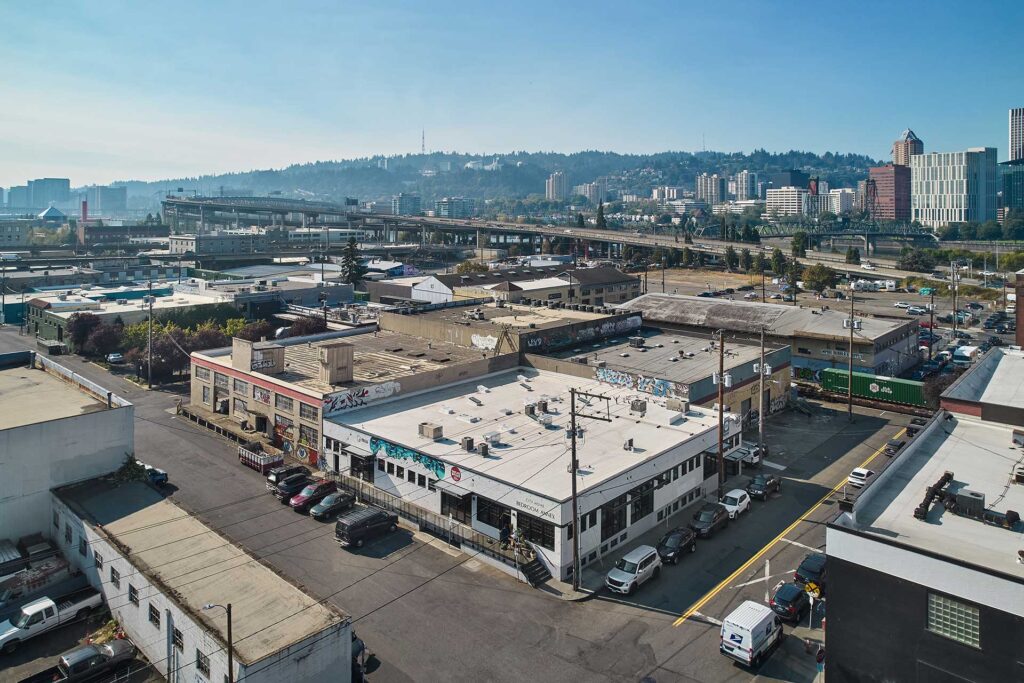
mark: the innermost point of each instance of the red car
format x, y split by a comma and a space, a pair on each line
925, 324
311, 495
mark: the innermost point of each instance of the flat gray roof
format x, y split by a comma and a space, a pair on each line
194, 566
981, 456
29, 396
518, 317
995, 379
750, 316
675, 357
530, 454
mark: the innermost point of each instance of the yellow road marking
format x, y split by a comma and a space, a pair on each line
746, 565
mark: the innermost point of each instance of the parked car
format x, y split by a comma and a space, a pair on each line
789, 298
638, 566
361, 524
736, 502
763, 484
974, 306
115, 358
745, 288
960, 334
279, 474
811, 570
927, 324
916, 310
790, 602
750, 633
893, 446
291, 486
675, 543
995, 341
859, 476
311, 495
708, 519
705, 294
157, 477
40, 616
332, 504
775, 295
751, 295
87, 663
901, 304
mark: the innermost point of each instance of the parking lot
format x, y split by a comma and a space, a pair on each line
425, 610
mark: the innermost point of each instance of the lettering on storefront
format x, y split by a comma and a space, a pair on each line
538, 508
397, 452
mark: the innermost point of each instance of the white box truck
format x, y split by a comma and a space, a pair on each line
750, 633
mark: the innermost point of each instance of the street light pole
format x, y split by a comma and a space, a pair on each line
231, 642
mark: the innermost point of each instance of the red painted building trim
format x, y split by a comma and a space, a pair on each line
314, 399
962, 407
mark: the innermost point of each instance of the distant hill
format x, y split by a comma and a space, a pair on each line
520, 174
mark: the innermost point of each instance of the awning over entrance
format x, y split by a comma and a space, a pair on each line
451, 489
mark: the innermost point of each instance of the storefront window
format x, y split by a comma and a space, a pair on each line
613, 517
641, 501
491, 513
459, 508
536, 530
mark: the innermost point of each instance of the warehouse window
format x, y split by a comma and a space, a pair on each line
179, 641
642, 501
115, 577
380, 465
202, 373
954, 620
206, 395
308, 412
613, 517
283, 403
202, 664
67, 533
154, 615
133, 595
97, 560
491, 513
536, 530
56, 520
81, 546
220, 381
241, 387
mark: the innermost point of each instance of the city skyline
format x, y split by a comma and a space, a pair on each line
99, 106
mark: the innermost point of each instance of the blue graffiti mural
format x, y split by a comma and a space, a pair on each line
402, 453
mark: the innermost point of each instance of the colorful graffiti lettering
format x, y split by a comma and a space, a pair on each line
402, 453
355, 398
614, 377
262, 395
662, 388
807, 374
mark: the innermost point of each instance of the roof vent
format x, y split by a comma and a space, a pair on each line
467, 443
638, 406
484, 450
628, 445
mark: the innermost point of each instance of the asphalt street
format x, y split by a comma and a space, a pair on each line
428, 612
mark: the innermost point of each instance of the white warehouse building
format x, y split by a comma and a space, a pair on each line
494, 453
158, 568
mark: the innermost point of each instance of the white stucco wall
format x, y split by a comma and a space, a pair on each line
38, 457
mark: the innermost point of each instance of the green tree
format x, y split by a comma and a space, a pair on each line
580, 221
799, 244
731, 258
746, 260
352, 270
233, 326
687, 238
853, 255
102, 340
687, 256
306, 325
470, 267
818, 278
601, 222
80, 326
256, 331
759, 265
778, 261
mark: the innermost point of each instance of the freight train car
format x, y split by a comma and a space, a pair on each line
874, 387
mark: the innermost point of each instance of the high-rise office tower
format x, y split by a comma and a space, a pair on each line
907, 146
555, 187
710, 188
1016, 134
405, 204
46, 191
892, 193
746, 185
953, 187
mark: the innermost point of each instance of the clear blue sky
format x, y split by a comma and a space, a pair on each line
107, 90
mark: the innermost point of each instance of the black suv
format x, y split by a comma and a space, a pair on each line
763, 484
363, 523
291, 486
811, 570
675, 543
893, 446
279, 474
709, 519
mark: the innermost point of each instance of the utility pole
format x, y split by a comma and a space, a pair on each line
574, 466
931, 323
149, 362
721, 412
664, 265
762, 277
953, 288
762, 371
849, 374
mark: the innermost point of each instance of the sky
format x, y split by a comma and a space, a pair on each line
105, 91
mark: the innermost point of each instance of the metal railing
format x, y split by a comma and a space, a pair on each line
455, 533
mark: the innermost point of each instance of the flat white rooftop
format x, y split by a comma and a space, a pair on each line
196, 566
996, 379
529, 454
982, 457
29, 396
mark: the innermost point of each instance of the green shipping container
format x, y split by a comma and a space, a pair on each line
888, 389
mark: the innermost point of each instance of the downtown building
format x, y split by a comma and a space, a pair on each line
1012, 171
786, 201
555, 187
454, 207
711, 189
1016, 134
842, 200
891, 193
746, 186
405, 204
907, 146
594, 192
953, 187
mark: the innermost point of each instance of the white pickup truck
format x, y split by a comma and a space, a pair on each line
44, 614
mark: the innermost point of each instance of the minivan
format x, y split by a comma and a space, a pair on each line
749, 633
279, 474
638, 566
360, 524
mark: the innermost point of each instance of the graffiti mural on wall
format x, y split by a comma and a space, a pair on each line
559, 338
262, 395
807, 374
488, 342
661, 388
402, 453
355, 398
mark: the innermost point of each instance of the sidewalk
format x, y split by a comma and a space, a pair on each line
592, 576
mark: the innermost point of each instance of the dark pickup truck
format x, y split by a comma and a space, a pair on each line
86, 663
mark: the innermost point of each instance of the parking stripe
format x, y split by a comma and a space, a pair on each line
785, 532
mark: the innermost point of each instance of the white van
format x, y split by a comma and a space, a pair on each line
750, 633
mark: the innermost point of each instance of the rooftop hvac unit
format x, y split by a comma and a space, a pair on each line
467, 443
600, 363
970, 503
430, 430
628, 445
484, 450
636, 342
542, 406
638, 406
544, 419
530, 409
678, 404
492, 437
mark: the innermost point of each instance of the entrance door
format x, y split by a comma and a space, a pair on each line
361, 468
460, 508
